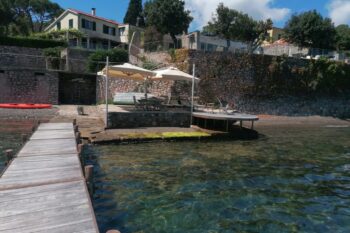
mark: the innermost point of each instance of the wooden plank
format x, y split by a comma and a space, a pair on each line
50, 146
36, 170
68, 210
55, 126
43, 161
43, 189
53, 134
26, 193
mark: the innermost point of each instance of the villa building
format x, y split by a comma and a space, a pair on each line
275, 34
198, 41
100, 33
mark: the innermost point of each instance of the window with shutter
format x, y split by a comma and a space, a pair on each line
94, 26
105, 29
83, 23
71, 23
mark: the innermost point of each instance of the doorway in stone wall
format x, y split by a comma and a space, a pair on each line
77, 89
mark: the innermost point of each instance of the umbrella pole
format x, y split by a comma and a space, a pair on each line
106, 91
192, 93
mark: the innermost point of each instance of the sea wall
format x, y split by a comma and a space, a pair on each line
119, 120
271, 85
297, 106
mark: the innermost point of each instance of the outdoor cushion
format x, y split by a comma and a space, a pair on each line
126, 98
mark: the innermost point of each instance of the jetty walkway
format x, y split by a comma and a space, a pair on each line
43, 189
229, 119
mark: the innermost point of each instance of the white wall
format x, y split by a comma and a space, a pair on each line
99, 29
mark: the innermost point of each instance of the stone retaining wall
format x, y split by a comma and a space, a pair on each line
157, 88
120, 120
297, 106
21, 57
28, 86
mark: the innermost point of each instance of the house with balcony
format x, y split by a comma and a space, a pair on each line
99, 33
198, 41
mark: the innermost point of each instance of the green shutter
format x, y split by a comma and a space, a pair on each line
94, 26
83, 23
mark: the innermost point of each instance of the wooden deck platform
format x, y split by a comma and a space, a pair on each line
43, 189
228, 118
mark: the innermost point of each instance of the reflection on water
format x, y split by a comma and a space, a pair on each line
288, 181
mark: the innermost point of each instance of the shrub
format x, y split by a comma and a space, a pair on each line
150, 65
59, 34
97, 60
30, 42
54, 56
172, 54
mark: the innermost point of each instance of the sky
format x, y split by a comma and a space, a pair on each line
202, 10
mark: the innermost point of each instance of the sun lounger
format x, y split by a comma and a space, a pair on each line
225, 107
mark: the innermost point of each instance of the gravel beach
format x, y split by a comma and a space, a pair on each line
27, 114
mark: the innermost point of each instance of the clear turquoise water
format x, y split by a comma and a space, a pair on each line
11, 137
8, 141
290, 180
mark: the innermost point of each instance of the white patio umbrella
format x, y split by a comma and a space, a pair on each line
172, 73
125, 71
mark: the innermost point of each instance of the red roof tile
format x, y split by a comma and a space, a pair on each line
93, 16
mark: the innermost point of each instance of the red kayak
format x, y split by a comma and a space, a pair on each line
25, 106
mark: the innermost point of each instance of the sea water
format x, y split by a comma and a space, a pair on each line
291, 179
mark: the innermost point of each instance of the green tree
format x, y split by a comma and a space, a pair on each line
42, 12
234, 25
7, 16
26, 16
153, 39
310, 29
96, 60
134, 13
168, 16
343, 37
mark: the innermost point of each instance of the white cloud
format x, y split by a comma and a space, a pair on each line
203, 10
339, 11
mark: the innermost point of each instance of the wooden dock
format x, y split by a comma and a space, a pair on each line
228, 118
43, 189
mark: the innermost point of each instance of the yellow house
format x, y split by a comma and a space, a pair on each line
275, 34
100, 33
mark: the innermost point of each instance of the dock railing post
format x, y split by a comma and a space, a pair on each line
80, 150
77, 137
89, 172
76, 128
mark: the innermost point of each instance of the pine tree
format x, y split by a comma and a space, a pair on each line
134, 13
